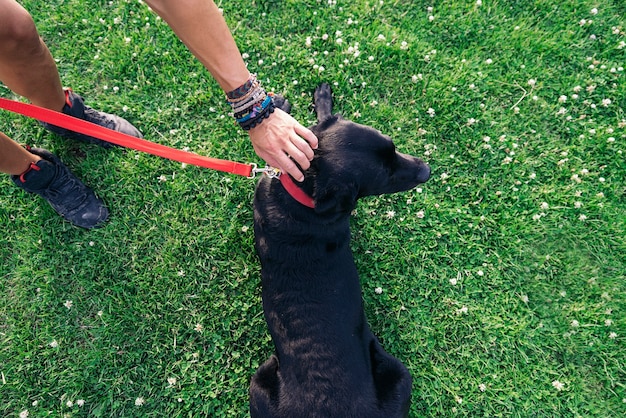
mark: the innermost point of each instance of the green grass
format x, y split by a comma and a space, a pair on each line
502, 278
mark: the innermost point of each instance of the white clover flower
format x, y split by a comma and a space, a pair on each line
462, 310
558, 385
24, 413
69, 404
390, 214
378, 290
420, 214
80, 402
606, 102
431, 112
404, 45
140, 401
68, 304
381, 37
482, 387
54, 344
582, 218
532, 82
431, 18
489, 61
562, 99
613, 336
594, 11
198, 328
578, 204
536, 217
545, 205
171, 381
608, 322
524, 298
575, 323
480, 273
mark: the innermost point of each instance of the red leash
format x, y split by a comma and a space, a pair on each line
127, 141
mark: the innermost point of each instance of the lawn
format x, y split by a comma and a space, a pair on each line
500, 283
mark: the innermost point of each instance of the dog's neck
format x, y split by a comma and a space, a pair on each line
296, 192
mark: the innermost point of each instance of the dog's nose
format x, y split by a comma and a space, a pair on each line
424, 173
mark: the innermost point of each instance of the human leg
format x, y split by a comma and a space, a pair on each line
14, 159
26, 65
28, 69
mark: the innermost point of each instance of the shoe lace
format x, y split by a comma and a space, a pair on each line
66, 192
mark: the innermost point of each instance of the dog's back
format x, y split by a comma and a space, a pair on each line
327, 362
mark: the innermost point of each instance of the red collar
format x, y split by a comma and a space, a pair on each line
297, 193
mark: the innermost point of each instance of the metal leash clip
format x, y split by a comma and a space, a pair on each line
270, 171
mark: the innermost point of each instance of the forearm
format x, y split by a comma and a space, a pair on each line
200, 25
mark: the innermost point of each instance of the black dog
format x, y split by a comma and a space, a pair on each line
327, 361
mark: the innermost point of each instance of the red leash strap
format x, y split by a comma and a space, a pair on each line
127, 141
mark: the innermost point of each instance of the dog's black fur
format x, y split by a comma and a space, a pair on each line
327, 361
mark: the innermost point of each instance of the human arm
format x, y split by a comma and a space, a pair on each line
280, 139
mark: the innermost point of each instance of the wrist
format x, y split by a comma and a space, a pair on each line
251, 104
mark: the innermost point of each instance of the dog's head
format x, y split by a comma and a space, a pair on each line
354, 161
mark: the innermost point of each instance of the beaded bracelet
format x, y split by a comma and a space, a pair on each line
250, 103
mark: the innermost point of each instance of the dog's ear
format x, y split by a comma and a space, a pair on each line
334, 196
282, 103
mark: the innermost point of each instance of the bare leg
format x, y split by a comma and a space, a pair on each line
14, 159
26, 65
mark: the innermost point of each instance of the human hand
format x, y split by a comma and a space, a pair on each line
282, 142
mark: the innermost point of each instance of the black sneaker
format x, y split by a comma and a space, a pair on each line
68, 196
75, 106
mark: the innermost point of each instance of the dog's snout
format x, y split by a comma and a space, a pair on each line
423, 173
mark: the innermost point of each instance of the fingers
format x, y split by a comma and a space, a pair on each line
282, 142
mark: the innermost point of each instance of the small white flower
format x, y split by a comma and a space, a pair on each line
532, 82
562, 99
482, 387
68, 304
558, 385
458, 399
69, 404
198, 328
171, 381
613, 335
545, 206
463, 310
24, 413
453, 281
80, 402
431, 18
245, 229
608, 322
594, 11
582, 218
575, 323
524, 298
420, 214
378, 290
431, 112
54, 344
489, 61
480, 273
390, 214
140, 401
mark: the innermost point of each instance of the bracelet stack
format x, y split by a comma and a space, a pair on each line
250, 103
